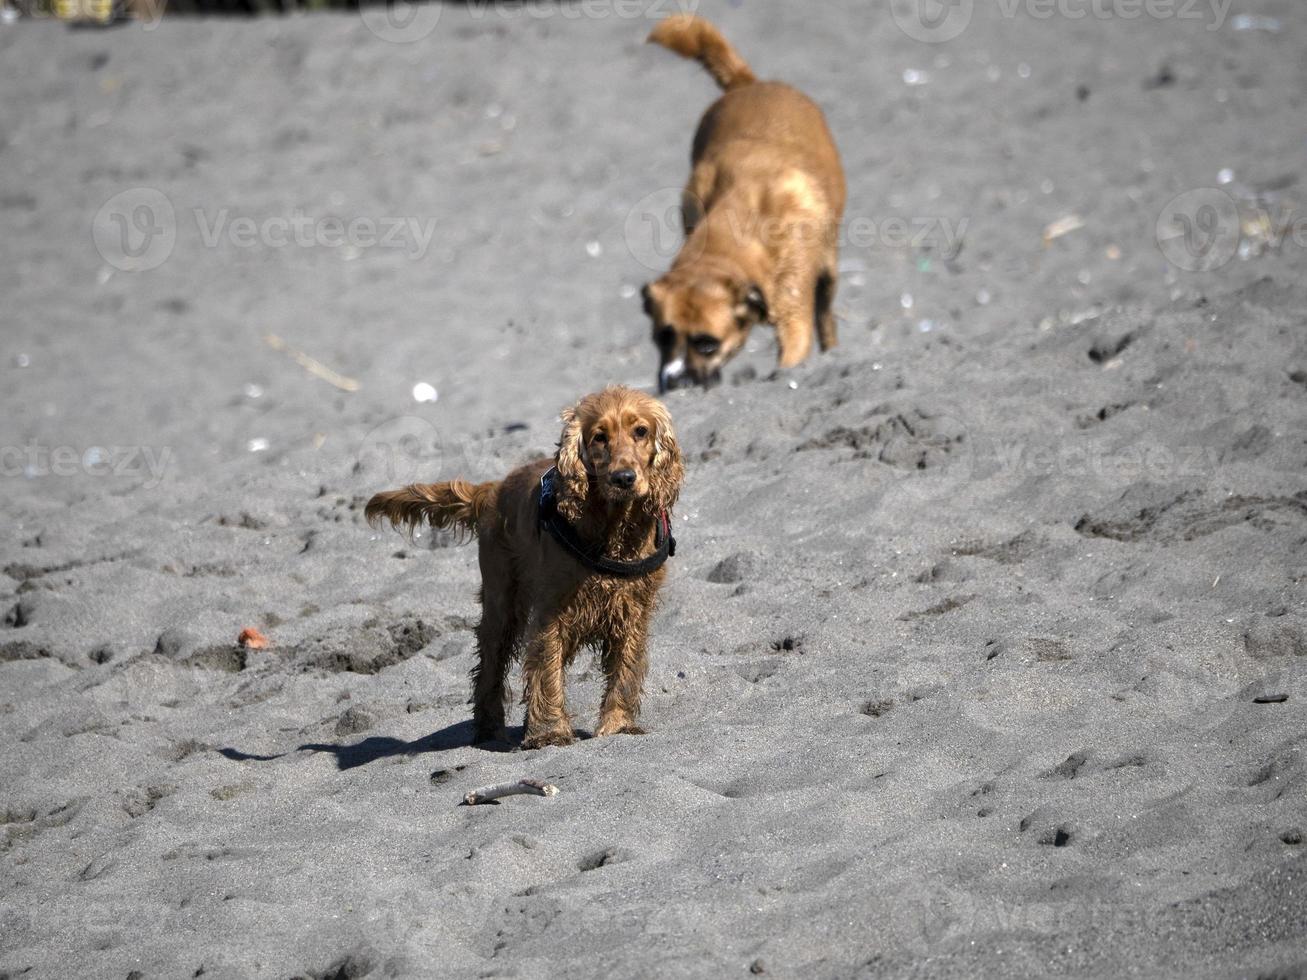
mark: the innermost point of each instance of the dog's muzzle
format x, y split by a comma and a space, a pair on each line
675, 375
671, 375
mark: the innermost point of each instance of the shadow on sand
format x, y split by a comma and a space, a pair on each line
349, 756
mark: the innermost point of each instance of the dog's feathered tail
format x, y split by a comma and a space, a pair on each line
693, 37
456, 505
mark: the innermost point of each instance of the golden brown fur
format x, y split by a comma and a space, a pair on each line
538, 602
762, 210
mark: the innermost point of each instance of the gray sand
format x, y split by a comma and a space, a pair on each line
956, 669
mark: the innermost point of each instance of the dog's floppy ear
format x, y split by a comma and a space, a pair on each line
751, 303
573, 477
652, 295
667, 469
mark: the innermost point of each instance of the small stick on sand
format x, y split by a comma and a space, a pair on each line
531, 787
312, 365
1063, 226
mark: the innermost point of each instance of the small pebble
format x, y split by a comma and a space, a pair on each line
423, 392
593, 249
257, 445
22, 361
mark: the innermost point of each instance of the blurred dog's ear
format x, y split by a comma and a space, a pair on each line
652, 295
574, 479
667, 469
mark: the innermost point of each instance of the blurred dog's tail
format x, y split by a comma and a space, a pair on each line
693, 37
456, 505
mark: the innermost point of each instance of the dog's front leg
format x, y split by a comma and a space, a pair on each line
792, 308
547, 721
827, 333
794, 334
626, 659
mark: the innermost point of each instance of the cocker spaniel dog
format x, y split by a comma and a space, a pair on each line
571, 554
762, 212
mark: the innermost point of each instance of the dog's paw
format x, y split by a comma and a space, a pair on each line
618, 728
539, 740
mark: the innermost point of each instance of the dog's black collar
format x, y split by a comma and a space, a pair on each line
593, 559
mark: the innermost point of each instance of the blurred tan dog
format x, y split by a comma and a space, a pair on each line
762, 211
572, 552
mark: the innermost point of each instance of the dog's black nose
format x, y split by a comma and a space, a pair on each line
622, 478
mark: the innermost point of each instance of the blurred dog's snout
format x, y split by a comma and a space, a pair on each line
622, 478
671, 374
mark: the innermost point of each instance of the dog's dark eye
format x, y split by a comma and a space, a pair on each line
641, 431
600, 438
706, 344
666, 337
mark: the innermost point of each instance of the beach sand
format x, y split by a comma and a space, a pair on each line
982, 653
